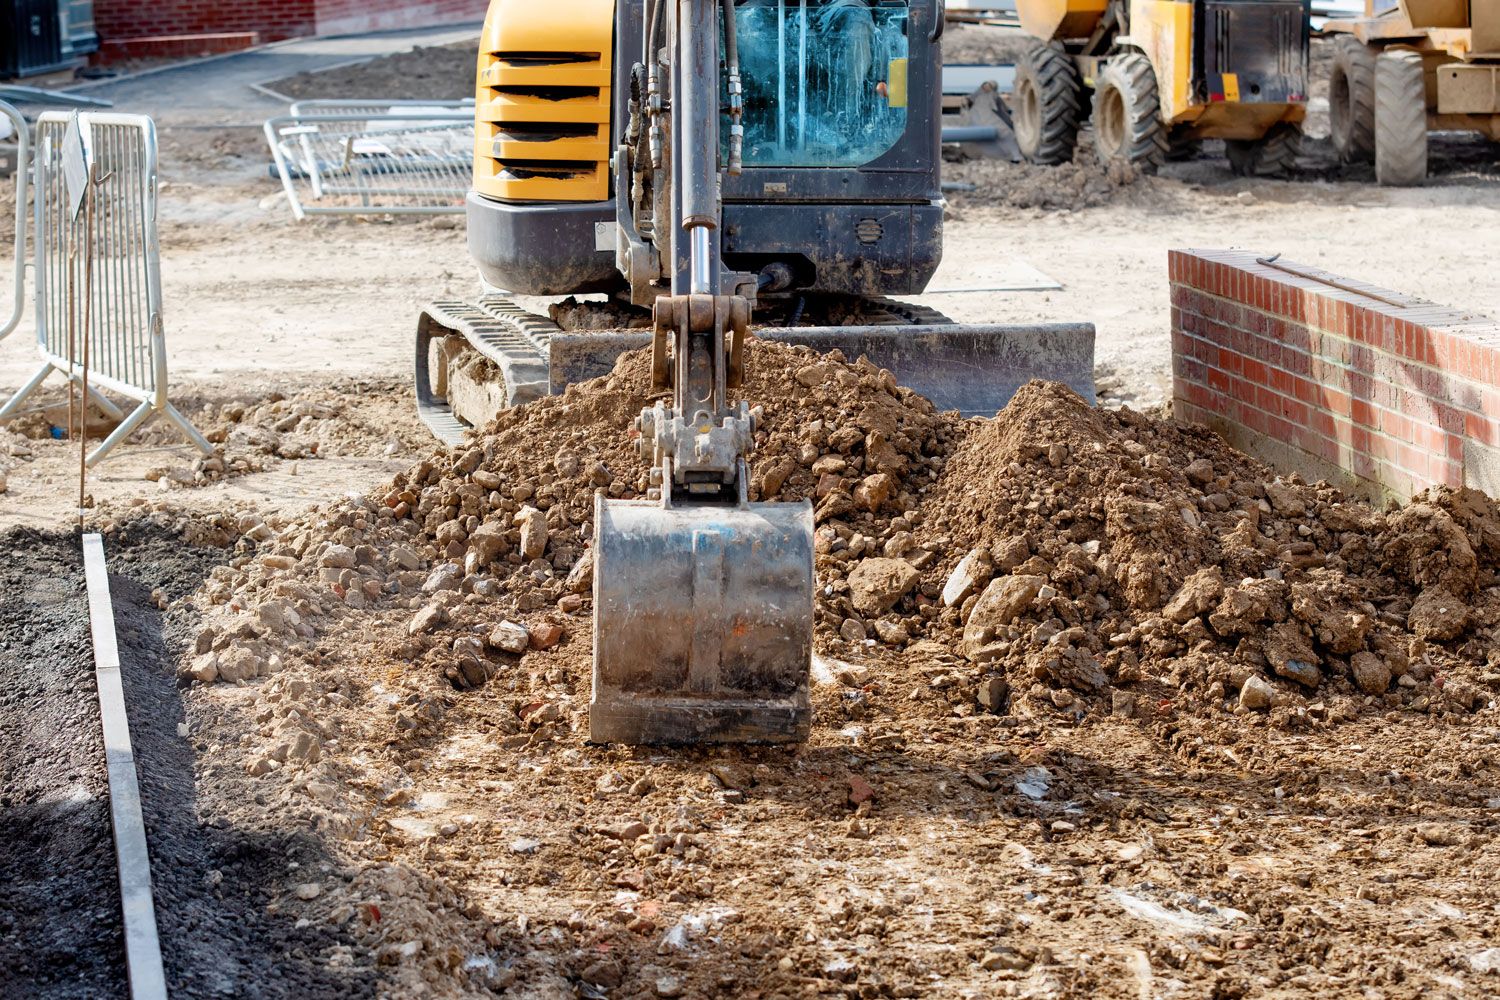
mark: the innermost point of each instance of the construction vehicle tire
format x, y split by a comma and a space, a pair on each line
1127, 114
1046, 101
1351, 100
1272, 155
1181, 147
1400, 119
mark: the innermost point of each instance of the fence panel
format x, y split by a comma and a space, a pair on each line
98, 273
374, 157
13, 128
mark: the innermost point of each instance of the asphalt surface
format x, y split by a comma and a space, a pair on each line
219, 91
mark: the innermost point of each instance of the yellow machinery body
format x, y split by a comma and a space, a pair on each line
1060, 18
542, 100
1163, 31
1459, 42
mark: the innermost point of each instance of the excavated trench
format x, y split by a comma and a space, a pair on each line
60, 927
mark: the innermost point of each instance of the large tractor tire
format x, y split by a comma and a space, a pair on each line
1272, 155
1127, 114
1046, 104
1181, 148
1351, 100
1400, 119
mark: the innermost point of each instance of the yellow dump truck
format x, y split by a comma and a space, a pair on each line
1425, 64
1158, 76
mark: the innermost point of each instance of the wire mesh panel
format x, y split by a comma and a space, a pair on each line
125, 284
374, 157
97, 269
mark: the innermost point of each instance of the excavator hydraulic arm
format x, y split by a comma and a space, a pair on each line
703, 611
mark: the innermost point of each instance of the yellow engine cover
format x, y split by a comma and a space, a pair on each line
542, 100
1163, 29
1049, 19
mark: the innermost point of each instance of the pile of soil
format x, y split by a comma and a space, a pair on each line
1148, 560
1061, 547
1057, 566
439, 73
983, 43
1083, 183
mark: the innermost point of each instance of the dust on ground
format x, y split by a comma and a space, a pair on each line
1102, 707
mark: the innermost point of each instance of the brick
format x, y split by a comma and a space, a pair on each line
1481, 429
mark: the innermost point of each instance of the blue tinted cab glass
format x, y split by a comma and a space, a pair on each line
824, 80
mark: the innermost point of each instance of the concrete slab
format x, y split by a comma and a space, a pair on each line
1482, 467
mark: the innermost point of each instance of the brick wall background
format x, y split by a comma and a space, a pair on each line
269, 19
1337, 379
343, 17
272, 20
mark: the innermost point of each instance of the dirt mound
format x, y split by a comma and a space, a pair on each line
1084, 183
983, 43
508, 519
1106, 552
1116, 542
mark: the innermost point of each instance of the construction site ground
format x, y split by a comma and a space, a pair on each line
390, 805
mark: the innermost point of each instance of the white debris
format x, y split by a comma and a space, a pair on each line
1035, 783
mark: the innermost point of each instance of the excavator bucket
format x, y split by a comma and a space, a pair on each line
704, 622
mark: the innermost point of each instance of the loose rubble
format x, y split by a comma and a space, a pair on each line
1055, 567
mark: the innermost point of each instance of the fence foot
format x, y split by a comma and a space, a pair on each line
100, 400
14, 403
137, 418
190, 432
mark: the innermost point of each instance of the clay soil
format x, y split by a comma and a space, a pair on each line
1085, 802
370, 810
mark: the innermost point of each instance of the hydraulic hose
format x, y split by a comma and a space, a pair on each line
736, 92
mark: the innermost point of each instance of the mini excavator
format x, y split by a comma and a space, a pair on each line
719, 169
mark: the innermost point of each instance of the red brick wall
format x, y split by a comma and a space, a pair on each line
275, 19
1354, 382
345, 17
271, 19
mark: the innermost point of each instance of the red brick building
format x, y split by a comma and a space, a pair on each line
200, 27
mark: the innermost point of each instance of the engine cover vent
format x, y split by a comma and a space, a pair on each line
869, 231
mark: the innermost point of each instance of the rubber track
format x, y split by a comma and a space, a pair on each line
1400, 119
1058, 89
1132, 74
904, 313
1356, 61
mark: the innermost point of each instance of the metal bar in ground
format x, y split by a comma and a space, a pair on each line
142, 947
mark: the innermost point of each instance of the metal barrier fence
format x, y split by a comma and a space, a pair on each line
22, 134
98, 278
374, 157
